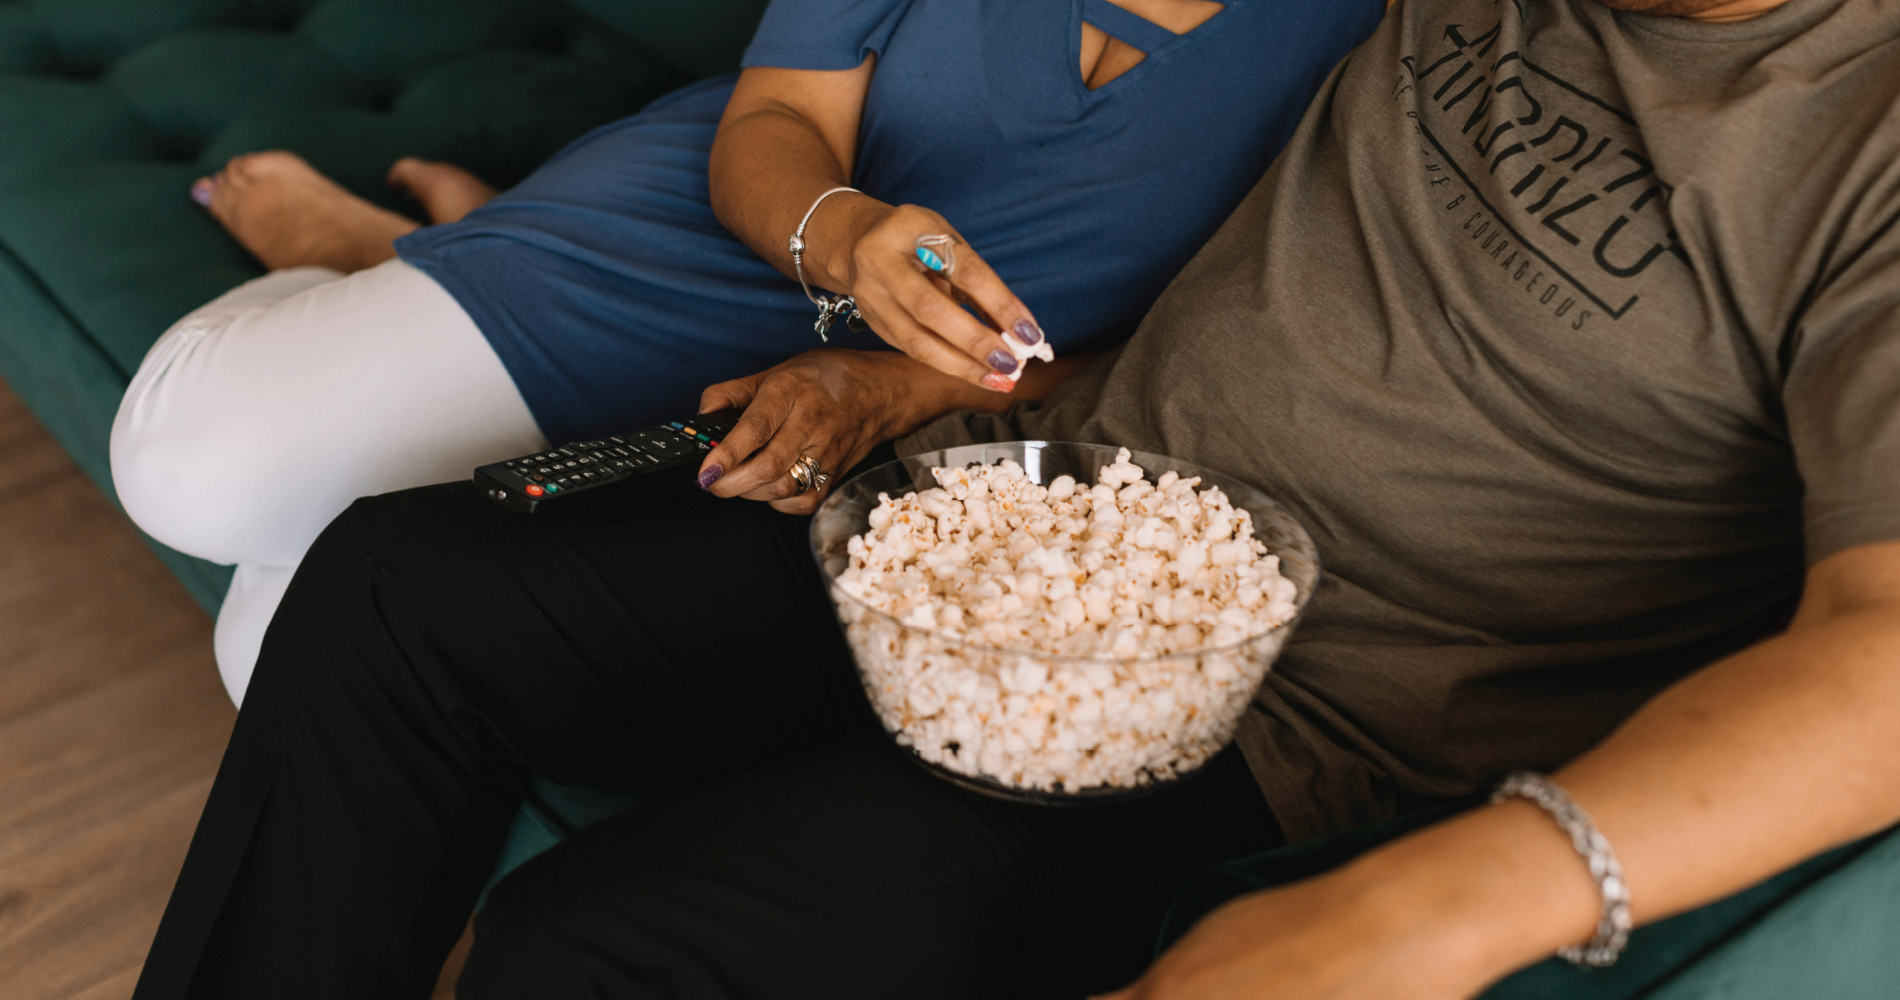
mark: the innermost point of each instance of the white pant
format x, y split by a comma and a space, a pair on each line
258, 418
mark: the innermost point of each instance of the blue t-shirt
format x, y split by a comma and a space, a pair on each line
614, 296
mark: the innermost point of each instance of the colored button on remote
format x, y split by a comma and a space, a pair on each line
533, 490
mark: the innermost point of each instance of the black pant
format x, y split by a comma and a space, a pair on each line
435, 652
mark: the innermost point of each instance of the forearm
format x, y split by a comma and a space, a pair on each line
787, 140
1743, 769
773, 158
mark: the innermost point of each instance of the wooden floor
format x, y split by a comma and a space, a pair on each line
112, 721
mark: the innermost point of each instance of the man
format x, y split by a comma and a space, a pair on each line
1569, 333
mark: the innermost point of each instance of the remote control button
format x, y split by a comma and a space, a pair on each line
554, 488
702, 437
533, 490
673, 448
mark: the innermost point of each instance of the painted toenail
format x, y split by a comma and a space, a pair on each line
202, 191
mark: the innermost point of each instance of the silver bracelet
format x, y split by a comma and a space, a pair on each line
1613, 922
830, 307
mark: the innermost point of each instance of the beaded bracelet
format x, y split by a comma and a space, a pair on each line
1613, 922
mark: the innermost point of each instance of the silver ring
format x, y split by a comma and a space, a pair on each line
808, 475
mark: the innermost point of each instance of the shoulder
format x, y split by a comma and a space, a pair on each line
823, 34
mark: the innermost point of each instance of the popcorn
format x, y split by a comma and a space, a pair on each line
1066, 636
1023, 352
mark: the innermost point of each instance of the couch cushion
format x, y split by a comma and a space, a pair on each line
112, 107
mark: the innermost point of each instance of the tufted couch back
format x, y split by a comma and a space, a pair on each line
494, 83
109, 109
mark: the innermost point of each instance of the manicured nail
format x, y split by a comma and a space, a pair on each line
1002, 361
202, 189
710, 476
998, 382
1029, 333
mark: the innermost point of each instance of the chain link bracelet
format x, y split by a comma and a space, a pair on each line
1613, 922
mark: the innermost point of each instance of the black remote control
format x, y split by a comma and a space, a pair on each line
524, 483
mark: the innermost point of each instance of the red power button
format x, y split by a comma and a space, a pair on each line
533, 490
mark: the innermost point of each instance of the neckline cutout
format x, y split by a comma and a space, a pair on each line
1126, 26
1128, 38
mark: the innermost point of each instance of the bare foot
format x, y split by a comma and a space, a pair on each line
446, 191
289, 215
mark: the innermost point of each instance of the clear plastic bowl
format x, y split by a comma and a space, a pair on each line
1150, 747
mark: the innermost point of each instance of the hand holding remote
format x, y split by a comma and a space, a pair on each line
832, 406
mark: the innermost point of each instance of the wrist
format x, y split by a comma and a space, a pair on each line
832, 236
1500, 886
915, 394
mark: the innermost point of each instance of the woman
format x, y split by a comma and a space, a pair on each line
1076, 152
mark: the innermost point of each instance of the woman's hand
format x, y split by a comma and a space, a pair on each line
921, 312
787, 137
830, 405
834, 406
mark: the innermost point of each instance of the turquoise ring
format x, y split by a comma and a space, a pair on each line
935, 253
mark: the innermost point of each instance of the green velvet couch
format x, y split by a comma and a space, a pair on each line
109, 108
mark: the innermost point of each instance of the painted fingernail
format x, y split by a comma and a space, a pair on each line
1029, 333
202, 189
998, 382
710, 476
1002, 361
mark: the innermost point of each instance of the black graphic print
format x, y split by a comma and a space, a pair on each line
1550, 181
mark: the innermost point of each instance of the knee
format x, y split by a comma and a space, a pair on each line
199, 479
225, 491
163, 481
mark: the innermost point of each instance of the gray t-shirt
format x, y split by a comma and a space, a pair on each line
1572, 336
